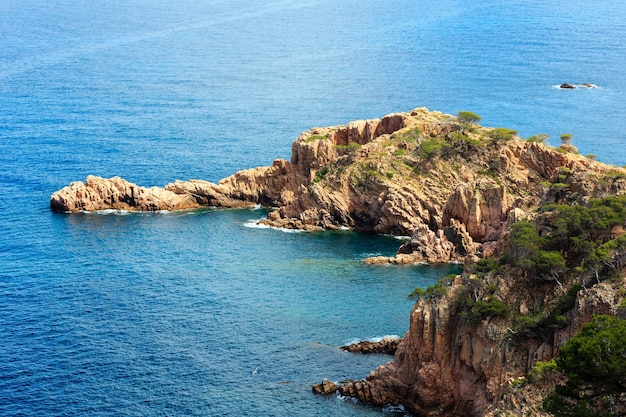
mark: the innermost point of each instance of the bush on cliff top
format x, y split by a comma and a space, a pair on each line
433, 147
468, 117
572, 237
502, 134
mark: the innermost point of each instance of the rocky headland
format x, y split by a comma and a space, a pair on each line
452, 186
484, 197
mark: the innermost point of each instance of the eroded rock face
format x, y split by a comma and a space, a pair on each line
266, 185
391, 175
448, 366
115, 193
452, 244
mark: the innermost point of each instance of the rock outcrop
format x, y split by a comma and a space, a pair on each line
453, 187
118, 194
326, 387
387, 345
449, 365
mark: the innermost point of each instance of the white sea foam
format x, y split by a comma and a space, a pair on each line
372, 339
379, 338
369, 255
109, 212
255, 224
393, 409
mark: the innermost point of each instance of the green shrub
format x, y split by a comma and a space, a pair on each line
316, 137
468, 117
319, 175
594, 361
431, 147
543, 325
540, 369
464, 141
486, 265
434, 291
540, 138
410, 135
492, 307
349, 148
566, 139
502, 134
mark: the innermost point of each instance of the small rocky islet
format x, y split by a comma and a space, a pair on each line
461, 191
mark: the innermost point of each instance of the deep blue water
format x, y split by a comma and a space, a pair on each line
200, 313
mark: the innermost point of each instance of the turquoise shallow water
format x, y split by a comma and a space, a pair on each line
200, 313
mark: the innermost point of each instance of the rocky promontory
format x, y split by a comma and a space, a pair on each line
451, 185
451, 363
540, 232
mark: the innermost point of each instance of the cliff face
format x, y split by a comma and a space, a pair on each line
453, 187
449, 364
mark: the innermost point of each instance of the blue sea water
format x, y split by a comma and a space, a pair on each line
202, 313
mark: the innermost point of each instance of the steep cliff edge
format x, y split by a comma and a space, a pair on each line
475, 338
453, 362
451, 185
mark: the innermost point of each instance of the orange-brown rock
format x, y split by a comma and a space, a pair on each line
449, 365
387, 345
450, 186
326, 387
118, 194
115, 193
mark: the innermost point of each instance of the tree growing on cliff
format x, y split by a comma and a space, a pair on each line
525, 243
540, 138
566, 139
468, 117
594, 361
502, 134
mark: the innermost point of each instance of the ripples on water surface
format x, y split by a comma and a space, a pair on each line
198, 313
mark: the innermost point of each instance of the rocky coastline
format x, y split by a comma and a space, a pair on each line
457, 189
453, 187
